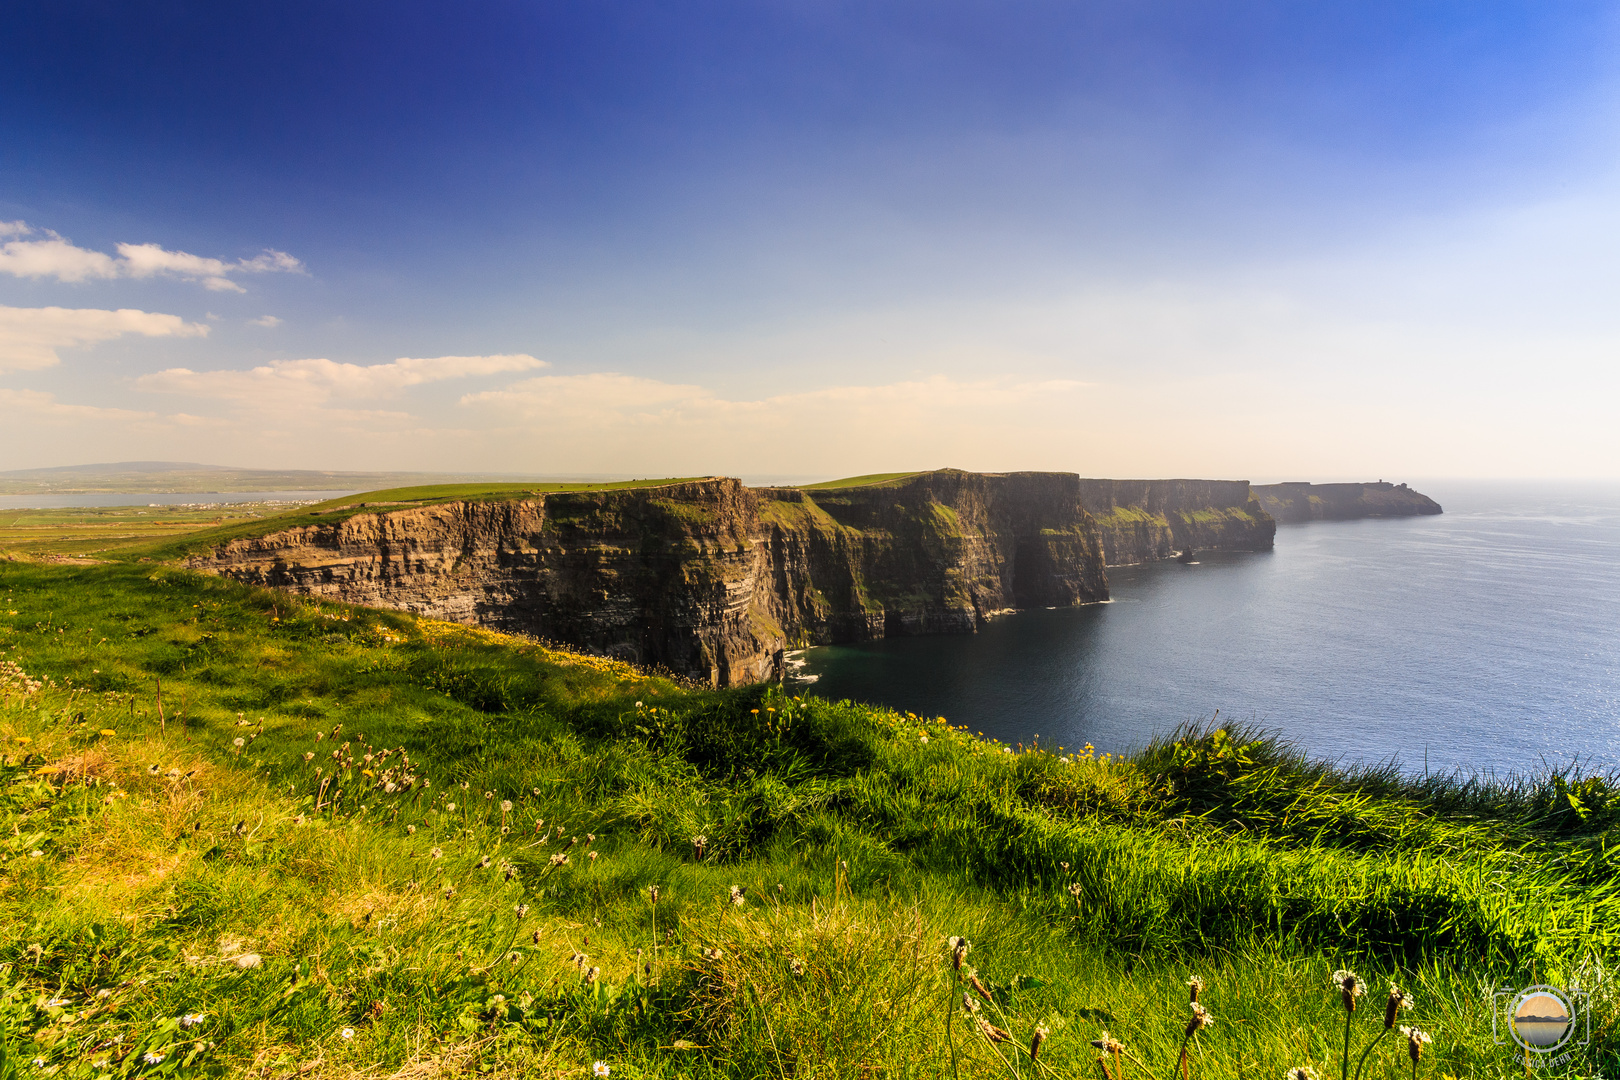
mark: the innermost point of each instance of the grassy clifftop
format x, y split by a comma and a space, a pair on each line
337, 510
347, 841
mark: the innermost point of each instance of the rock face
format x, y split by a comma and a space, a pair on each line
1342, 502
710, 579
1147, 520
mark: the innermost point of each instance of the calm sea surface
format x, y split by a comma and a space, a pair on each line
1486, 638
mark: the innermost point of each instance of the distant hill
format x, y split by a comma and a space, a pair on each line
185, 477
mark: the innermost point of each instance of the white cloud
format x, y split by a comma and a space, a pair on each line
55, 256
283, 383
29, 337
17, 405
265, 320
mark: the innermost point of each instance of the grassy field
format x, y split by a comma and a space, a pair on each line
87, 531
177, 477
250, 834
868, 480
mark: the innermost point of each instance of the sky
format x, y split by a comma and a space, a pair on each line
803, 240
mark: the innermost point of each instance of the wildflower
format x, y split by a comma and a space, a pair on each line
699, 843
1035, 1041
796, 966
536, 792
1074, 891
1398, 999
559, 859
153, 770
578, 960
600, 1069
1350, 987
450, 806
968, 1003
56, 1003
652, 893
506, 806
592, 974
483, 864
239, 742
1415, 1038
346, 1033
151, 1057
1195, 986
248, 960
923, 738
410, 830
489, 794
191, 1020
437, 853
1108, 1044
736, 896
959, 949
508, 871
1301, 1072
592, 856
449, 891
1200, 1019
522, 910
590, 838
713, 954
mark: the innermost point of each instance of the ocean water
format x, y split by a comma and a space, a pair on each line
1487, 638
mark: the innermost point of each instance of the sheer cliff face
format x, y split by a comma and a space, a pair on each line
1342, 502
1146, 520
939, 552
709, 579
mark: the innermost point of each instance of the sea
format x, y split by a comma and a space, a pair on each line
1485, 639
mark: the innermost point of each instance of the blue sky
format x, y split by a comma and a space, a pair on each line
793, 239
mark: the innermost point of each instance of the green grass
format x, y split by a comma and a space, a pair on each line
337, 510
1091, 886
88, 531
869, 480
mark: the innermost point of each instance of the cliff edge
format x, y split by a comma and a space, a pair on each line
707, 578
1147, 520
1299, 501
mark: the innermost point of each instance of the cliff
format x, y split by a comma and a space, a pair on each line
1146, 520
1341, 502
707, 578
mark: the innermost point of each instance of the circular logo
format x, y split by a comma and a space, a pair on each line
1542, 1019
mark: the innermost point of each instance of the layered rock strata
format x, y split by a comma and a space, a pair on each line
710, 579
1296, 502
1147, 520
